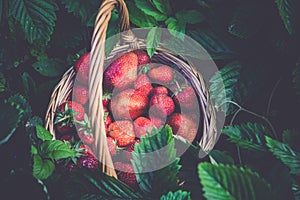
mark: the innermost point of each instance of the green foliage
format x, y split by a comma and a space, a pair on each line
286, 154
288, 11
178, 195
228, 85
135, 16
147, 7
36, 17
292, 138
43, 134
42, 168
19, 102
220, 157
296, 191
56, 149
97, 185
153, 39
163, 6
176, 27
155, 163
250, 136
50, 67
230, 182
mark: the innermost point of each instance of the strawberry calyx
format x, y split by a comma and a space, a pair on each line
179, 88
144, 69
85, 126
66, 116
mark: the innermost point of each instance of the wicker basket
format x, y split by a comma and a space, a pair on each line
63, 90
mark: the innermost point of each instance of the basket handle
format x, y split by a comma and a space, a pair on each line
97, 57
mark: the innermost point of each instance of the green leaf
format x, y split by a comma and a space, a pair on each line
96, 184
286, 154
288, 11
155, 162
231, 83
190, 16
244, 23
178, 195
296, 191
36, 17
220, 157
56, 149
147, 7
19, 102
163, 6
84, 9
138, 17
52, 67
292, 138
153, 39
176, 27
222, 182
42, 169
33, 150
212, 43
43, 134
11, 117
250, 136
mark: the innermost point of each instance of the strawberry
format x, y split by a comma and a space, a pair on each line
122, 131
85, 131
107, 121
125, 173
89, 161
156, 121
142, 125
186, 98
161, 75
129, 149
112, 147
67, 138
143, 84
121, 72
128, 104
161, 105
143, 57
106, 99
80, 94
85, 149
82, 67
183, 126
67, 112
159, 90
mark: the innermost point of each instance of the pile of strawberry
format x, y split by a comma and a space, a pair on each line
138, 95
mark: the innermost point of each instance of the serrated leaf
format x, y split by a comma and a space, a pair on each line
56, 149
212, 43
155, 163
147, 7
138, 17
11, 117
244, 23
219, 157
176, 28
287, 11
250, 136
84, 9
43, 134
52, 67
190, 16
153, 39
97, 184
286, 154
163, 6
222, 182
231, 83
178, 195
36, 17
19, 102
42, 169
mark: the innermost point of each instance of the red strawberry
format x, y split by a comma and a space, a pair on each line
129, 149
67, 112
143, 57
82, 67
122, 71
86, 138
80, 94
89, 161
161, 105
156, 121
85, 131
183, 126
186, 98
159, 90
106, 99
161, 75
143, 84
142, 125
107, 121
67, 138
112, 147
86, 149
126, 173
128, 104
122, 131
